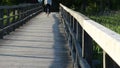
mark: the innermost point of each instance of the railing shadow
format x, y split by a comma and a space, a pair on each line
61, 57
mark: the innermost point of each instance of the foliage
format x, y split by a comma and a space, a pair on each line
92, 6
102, 11
14, 2
7, 2
110, 21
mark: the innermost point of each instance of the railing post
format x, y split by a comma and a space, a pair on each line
83, 43
19, 13
8, 16
104, 60
79, 34
1, 23
78, 37
14, 17
74, 25
108, 62
8, 20
87, 48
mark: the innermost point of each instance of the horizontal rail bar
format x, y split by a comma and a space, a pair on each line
12, 17
107, 39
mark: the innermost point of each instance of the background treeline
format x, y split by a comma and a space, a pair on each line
93, 6
14, 2
84, 6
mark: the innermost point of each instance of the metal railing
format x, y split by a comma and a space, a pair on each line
81, 31
11, 17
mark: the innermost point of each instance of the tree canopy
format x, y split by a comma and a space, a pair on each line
84, 6
91, 6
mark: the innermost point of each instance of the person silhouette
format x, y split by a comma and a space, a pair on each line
48, 4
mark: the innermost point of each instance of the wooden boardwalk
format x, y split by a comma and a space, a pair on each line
38, 44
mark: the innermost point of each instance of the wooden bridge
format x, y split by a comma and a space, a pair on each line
31, 39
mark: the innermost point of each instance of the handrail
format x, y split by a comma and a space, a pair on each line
12, 17
80, 28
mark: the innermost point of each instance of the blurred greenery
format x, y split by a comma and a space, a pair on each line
14, 2
110, 21
105, 12
92, 6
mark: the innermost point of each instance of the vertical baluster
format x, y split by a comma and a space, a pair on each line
22, 15
79, 34
76, 64
14, 18
8, 16
87, 48
7, 23
1, 22
104, 60
27, 14
79, 40
1, 16
18, 15
108, 62
74, 26
10, 19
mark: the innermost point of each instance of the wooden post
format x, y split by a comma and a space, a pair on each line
1, 22
19, 13
8, 20
79, 40
8, 16
1, 16
83, 47
104, 60
71, 20
79, 34
14, 17
87, 48
74, 26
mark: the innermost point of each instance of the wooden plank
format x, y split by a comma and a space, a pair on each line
16, 62
39, 45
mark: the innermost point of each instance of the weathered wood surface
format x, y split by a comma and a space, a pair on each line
107, 39
38, 44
